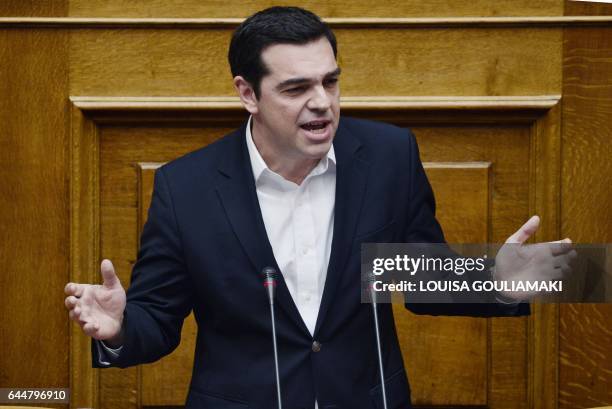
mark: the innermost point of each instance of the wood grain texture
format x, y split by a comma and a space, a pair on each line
34, 8
545, 201
545, 177
463, 192
581, 8
585, 371
587, 109
442, 348
34, 232
336, 8
509, 365
543, 357
460, 345
84, 246
585, 356
504, 147
408, 62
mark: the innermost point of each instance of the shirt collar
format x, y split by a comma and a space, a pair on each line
259, 166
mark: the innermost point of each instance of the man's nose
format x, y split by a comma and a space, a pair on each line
320, 100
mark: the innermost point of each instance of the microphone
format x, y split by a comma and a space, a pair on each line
370, 278
269, 282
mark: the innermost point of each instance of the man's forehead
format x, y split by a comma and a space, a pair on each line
311, 60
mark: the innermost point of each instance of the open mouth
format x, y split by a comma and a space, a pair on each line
316, 127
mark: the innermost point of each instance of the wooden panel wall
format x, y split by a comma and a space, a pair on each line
423, 61
34, 212
339, 8
585, 345
51, 233
34, 8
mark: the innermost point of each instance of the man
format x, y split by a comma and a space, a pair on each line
297, 188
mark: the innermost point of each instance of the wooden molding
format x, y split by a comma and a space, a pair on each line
338, 22
84, 247
543, 352
399, 109
536, 102
457, 165
545, 200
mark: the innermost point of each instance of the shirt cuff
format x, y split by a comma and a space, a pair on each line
107, 354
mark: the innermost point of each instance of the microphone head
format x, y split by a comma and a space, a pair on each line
368, 278
269, 276
269, 282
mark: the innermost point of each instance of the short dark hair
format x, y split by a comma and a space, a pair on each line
274, 25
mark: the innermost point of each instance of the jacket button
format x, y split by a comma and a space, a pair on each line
316, 346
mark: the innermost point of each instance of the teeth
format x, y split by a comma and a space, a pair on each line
319, 130
314, 126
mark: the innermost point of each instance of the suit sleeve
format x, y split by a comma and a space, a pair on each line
159, 296
423, 227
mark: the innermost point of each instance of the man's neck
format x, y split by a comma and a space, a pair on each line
291, 169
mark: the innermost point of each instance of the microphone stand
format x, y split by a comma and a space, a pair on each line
378, 345
269, 276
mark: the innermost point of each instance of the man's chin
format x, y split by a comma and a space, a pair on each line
318, 151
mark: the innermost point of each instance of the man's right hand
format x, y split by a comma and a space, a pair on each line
98, 309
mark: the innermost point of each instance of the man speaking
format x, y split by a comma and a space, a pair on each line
297, 188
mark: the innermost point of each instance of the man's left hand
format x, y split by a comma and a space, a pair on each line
517, 261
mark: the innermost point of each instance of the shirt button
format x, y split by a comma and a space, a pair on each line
316, 346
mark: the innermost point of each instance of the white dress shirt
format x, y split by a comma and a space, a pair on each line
299, 221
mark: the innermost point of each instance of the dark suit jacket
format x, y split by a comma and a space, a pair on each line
205, 243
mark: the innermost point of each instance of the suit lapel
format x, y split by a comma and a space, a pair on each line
351, 179
237, 193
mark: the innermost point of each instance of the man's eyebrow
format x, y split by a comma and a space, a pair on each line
302, 80
333, 73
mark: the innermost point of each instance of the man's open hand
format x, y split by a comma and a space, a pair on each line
98, 309
517, 261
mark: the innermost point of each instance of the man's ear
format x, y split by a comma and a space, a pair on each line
246, 94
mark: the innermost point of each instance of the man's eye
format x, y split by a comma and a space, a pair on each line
331, 82
295, 90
